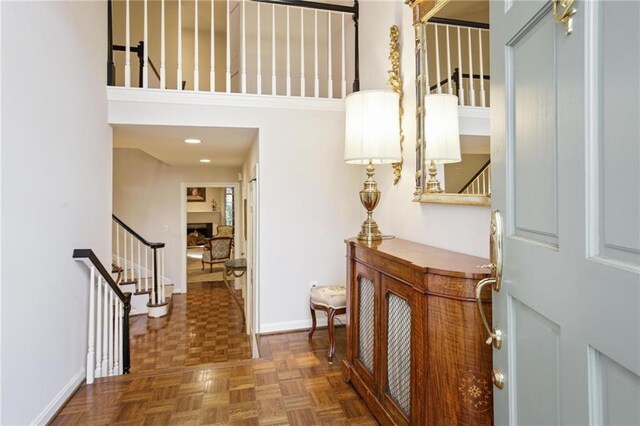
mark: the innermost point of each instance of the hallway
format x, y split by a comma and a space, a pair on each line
191, 369
204, 326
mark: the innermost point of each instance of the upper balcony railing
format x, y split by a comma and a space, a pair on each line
263, 47
455, 59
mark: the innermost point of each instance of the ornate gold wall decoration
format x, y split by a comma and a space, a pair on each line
395, 83
425, 9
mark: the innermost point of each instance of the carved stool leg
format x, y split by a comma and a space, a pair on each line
332, 341
313, 320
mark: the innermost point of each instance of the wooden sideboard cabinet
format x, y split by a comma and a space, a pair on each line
415, 340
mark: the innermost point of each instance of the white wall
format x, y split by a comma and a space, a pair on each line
147, 197
459, 228
308, 197
56, 192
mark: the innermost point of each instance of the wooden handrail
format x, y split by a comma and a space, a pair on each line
459, 23
482, 169
135, 234
125, 298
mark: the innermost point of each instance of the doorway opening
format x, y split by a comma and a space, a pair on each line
166, 189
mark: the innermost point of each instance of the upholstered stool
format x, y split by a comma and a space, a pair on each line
333, 300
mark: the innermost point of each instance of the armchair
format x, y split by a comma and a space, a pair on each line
216, 250
224, 231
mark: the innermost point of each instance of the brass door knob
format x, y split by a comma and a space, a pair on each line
498, 378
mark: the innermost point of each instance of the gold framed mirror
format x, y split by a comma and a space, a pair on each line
452, 58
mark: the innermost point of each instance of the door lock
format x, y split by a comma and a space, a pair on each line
498, 378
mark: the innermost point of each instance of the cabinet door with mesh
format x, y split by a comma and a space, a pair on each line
366, 291
400, 350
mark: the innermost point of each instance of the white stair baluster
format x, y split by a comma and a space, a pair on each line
145, 59
303, 83
131, 264
116, 338
91, 340
179, 72
288, 51
162, 276
212, 61
274, 65
118, 262
343, 64
436, 28
98, 367
196, 51
163, 53
316, 81
482, 92
449, 85
259, 52
127, 48
329, 59
125, 272
460, 79
110, 331
105, 329
244, 48
146, 268
228, 79
472, 92
120, 340
139, 263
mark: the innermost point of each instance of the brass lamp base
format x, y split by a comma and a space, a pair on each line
433, 184
369, 197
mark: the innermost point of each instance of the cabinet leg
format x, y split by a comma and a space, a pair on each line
313, 321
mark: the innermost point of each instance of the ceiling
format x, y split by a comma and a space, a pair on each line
466, 10
223, 146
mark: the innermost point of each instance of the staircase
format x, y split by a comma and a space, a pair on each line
138, 268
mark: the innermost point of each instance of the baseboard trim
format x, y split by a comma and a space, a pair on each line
60, 399
286, 326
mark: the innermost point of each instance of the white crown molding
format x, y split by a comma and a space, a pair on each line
183, 97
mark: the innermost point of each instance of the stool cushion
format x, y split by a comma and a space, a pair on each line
334, 296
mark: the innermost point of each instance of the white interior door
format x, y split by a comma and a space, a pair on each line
253, 260
566, 179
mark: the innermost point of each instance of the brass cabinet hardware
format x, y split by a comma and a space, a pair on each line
498, 378
565, 15
495, 334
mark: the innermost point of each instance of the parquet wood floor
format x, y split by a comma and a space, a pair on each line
291, 384
204, 326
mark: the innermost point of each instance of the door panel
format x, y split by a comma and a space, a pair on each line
615, 392
532, 98
617, 140
536, 345
566, 172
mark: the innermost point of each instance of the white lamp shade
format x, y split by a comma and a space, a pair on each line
372, 127
441, 129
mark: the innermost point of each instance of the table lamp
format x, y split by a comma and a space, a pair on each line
372, 137
442, 135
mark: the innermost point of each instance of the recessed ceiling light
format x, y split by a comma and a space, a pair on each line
205, 160
193, 141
